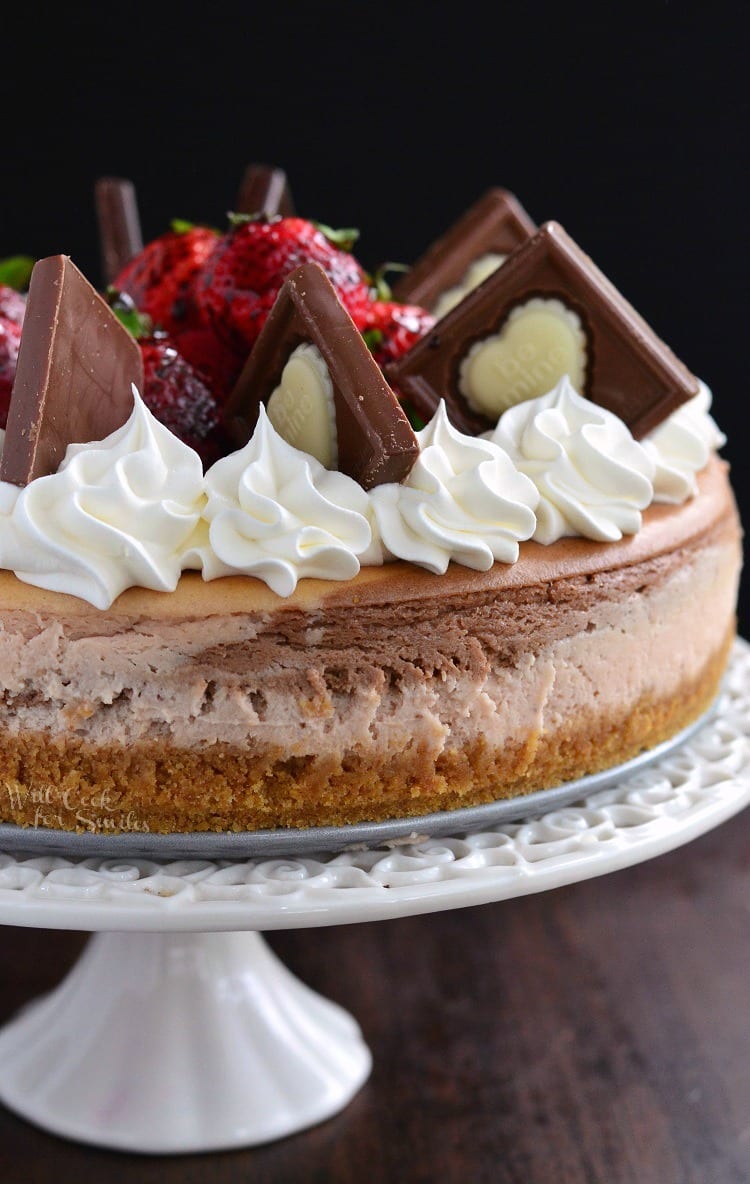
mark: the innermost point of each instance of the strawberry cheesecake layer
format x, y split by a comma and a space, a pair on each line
223, 706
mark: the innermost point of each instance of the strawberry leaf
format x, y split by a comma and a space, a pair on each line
15, 271
373, 338
137, 323
236, 219
181, 226
382, 288
345, 239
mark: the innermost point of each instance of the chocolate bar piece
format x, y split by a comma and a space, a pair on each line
493, 227
264, 190
120, 236
76, 363
374, 441
546, 312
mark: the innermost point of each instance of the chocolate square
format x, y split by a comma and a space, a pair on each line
120, 236
264, 190
76, 364
376, 442
495, 224
628, 369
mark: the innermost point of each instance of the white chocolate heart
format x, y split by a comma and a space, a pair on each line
476, 274
302, 408
541, 341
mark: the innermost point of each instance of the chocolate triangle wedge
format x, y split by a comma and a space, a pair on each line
489, 230
344, 411
76, 364
264, 190
546, 312
120, 235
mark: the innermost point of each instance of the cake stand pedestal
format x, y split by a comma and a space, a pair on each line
178, 1042
178, 1030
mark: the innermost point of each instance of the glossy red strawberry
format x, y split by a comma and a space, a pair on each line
243, 275
216, 361
10, 339
179, 397
12, 304
161, 277
392, 329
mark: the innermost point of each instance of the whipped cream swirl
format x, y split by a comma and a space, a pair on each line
593, 478
117, 513
276, 513
681, 446
463, 500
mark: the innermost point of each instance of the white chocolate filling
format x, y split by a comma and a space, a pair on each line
302, 409
475, 274
541, 341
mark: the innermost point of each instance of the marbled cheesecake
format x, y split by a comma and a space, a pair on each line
222, 706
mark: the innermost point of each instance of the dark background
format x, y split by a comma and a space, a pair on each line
626, 123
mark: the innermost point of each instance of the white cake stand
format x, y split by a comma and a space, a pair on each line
178, 1030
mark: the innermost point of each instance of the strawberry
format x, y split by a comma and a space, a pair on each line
392, 329
241, 279
160, 278
178, 397
10, 339
216, 361
12, 304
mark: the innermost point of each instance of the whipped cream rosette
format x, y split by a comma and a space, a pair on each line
681, 447
593, 478
463, 500
276, 513
117, 513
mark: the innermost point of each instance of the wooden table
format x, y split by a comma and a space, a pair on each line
596, 1033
